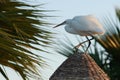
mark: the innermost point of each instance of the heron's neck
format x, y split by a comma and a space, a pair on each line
68, 21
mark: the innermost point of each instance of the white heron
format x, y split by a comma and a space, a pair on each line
84, 26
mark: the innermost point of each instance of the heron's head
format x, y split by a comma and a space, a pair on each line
63, 23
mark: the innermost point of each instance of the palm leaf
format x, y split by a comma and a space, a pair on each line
21, 27
111, 44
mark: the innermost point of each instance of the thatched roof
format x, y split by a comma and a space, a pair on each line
79, 67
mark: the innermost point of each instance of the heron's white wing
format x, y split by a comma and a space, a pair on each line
87, 23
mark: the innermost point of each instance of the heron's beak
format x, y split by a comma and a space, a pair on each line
60, 24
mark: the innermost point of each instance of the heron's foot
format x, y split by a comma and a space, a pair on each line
75, 49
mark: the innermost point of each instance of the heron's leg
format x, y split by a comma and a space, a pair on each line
84, 42
89, 40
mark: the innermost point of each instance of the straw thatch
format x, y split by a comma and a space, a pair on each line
79, 67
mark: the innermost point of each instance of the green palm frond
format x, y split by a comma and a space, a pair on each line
22, 27
3, 1
65, 47
111, 40
111, 44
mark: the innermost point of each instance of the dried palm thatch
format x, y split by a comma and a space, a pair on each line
79, 66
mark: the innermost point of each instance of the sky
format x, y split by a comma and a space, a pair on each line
66, 9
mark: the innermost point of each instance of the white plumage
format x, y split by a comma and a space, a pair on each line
83, 26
